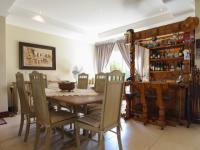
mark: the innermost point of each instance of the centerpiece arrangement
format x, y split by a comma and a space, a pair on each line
66, 85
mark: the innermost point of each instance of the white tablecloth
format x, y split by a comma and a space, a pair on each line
53, 91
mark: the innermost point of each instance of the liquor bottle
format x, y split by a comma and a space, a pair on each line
153, 55
161, 66
172, 67
182, 66
180, 53
156, 67
178, 66
163, 54
164, 66
158, 56
151, 67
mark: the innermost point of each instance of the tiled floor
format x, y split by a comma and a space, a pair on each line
135, 136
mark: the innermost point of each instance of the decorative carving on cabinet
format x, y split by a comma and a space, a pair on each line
188, 26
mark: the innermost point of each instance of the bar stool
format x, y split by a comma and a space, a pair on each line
133, 105
158, 88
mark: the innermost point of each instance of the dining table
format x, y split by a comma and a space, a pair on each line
74, 98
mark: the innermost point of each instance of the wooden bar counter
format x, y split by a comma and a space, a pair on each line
166, 95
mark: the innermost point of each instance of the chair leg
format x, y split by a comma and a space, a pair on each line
98, 138
102, 142
48, 139
71, 111
28, 122
119, 137
37, 135
63, 132
77, 130
21, 125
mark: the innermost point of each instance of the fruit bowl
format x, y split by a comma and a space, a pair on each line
66, 85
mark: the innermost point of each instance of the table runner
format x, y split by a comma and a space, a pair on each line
76, 92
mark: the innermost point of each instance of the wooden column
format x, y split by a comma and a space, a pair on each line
197, 30
159, 91
132, 54
144, 102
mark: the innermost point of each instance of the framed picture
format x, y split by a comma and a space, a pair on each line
36, 57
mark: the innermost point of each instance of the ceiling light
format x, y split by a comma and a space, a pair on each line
38, 18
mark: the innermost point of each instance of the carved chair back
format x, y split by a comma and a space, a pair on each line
111, 108
23, 95
83, 81
39, 97
100, 80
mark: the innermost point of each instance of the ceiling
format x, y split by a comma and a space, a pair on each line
94, 20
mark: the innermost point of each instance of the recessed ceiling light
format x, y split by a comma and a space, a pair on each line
38, 18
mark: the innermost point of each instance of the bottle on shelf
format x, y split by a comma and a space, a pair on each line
158, 55
154, 55
161, 66
152, 67
172, 68
180, 53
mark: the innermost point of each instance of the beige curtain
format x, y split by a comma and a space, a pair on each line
103, 53
125, 51
142, 62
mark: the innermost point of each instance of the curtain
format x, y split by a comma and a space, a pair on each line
142, 62
103, 53
125, 51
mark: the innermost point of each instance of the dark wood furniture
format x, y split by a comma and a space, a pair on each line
162, 34
194, 95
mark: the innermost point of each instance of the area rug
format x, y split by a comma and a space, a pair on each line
2, 121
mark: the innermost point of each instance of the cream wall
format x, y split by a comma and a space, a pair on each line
68, 53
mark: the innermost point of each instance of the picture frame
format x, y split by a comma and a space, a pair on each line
36, 57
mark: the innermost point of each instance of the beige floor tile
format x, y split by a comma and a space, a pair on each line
135, 136
179, 138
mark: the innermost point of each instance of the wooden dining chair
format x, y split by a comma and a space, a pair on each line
83, 81
111, 110
44, 117
44, 81
27, 110
99, 84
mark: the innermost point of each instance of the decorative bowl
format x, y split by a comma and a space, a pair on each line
66, 85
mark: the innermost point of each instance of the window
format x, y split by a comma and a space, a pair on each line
117, 62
